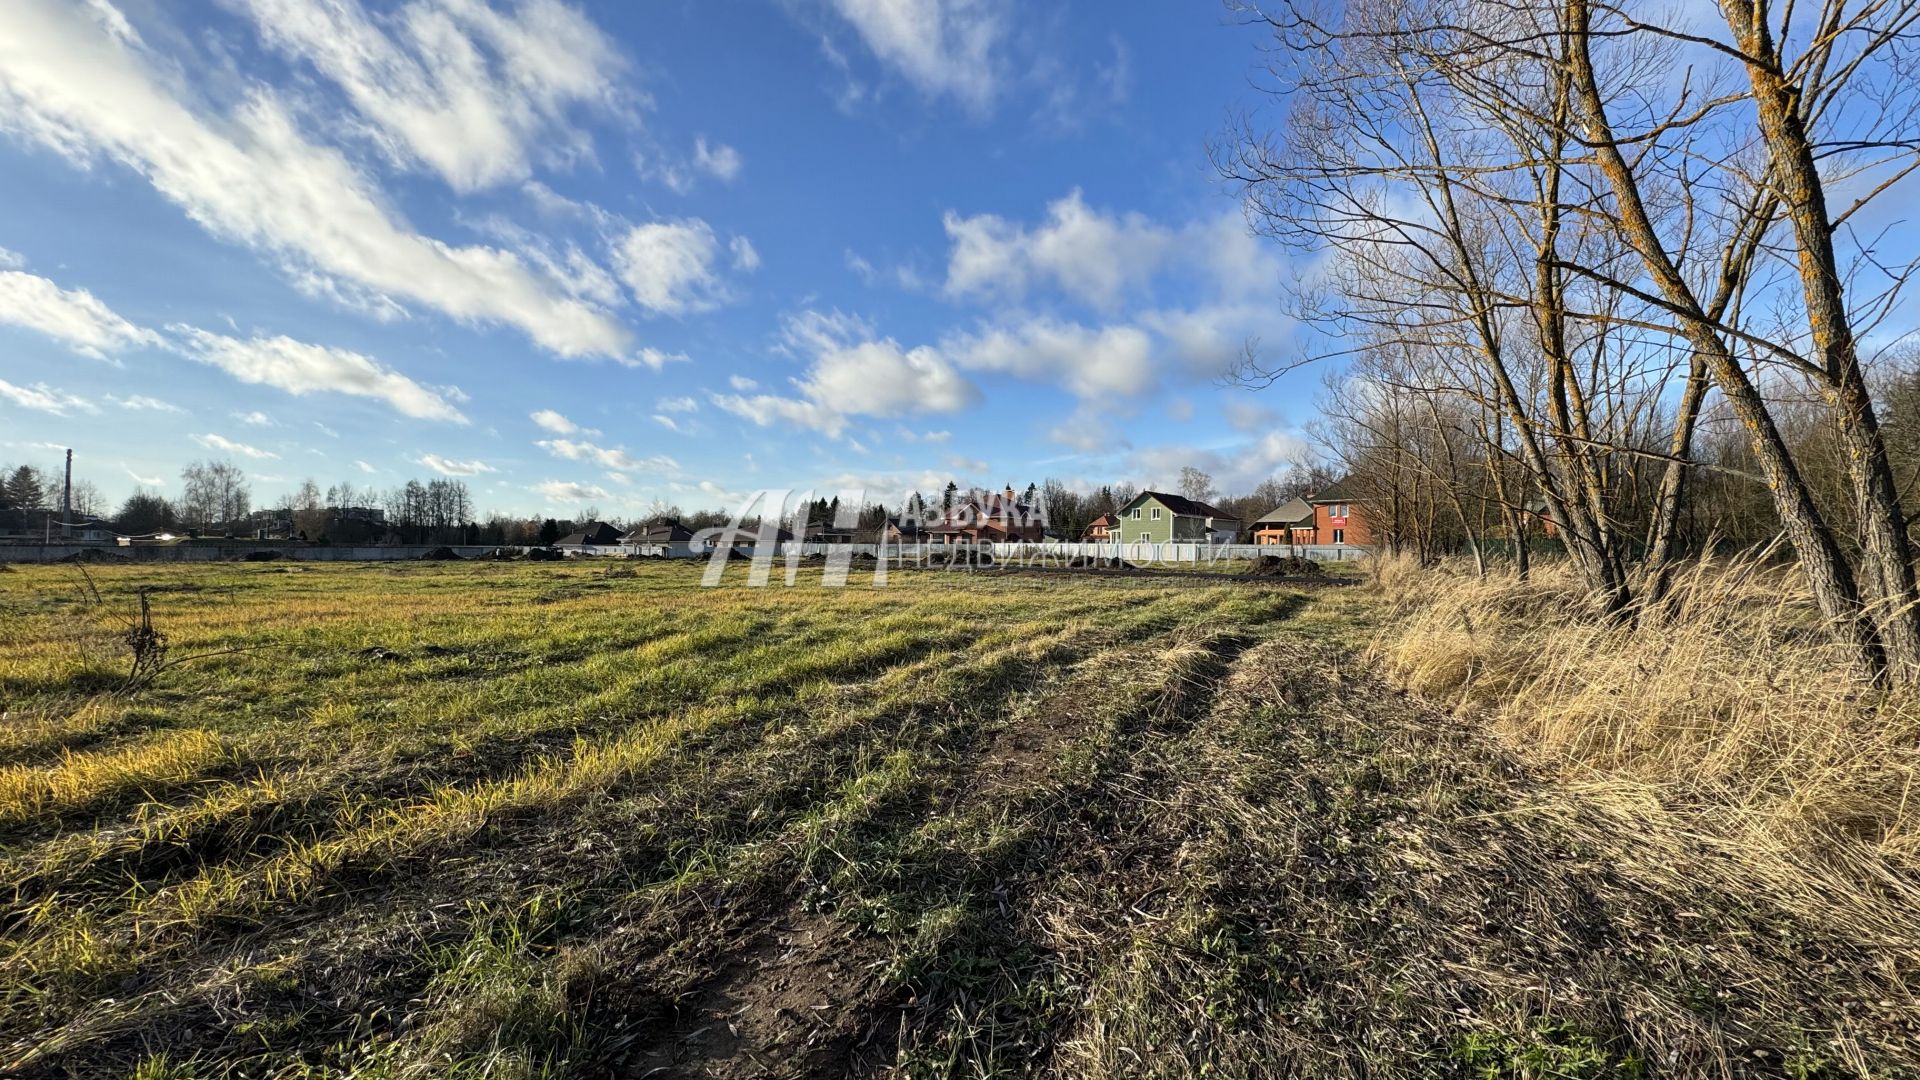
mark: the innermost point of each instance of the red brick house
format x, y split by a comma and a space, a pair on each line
1337, 519
1101, 529
996, 518
1289, 523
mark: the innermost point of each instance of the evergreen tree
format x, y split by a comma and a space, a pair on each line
25, 489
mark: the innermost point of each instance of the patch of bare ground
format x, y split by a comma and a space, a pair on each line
1326, 878
800, 996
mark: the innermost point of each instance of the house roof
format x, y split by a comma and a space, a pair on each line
1340, 490
1182, 506
594, 532
1104, 519
664, 531
1286, 513
749, 534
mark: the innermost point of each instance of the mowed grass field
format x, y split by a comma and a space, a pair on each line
512, 820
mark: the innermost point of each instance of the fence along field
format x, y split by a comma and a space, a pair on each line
516, 820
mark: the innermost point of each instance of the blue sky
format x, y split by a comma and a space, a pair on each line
611, 253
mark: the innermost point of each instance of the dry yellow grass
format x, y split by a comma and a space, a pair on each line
81, 778
1730, 700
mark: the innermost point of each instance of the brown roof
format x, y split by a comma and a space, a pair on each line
665, 531
1286, 513
1183, 506
1338, 491
595, 532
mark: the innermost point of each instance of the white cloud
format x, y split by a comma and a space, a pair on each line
255, 418
650, 357
677, 175
563, 491
718, 160
676, 405
143, 403
668, 266
1209, 340
221, 442
43, 398
607, 457
1247, 416
553, 421
1089, 430
1108, 361
450, 467
466, 90
144, 481
251, 177
766, 409
667, 422
966, 465
852, 372
938, 436
864, 270
1233, 468
300, 369
74, 317
364, 467
1101, 259
943, 47
11, 260
744, 255
742, 383
1095, 257
325, 430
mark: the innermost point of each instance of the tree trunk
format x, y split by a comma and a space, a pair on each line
1828, 574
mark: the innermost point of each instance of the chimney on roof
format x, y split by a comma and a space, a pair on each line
1009, 492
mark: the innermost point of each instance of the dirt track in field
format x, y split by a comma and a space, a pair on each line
1151, 849
1281, 867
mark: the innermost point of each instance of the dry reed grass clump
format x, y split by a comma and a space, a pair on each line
1729, 698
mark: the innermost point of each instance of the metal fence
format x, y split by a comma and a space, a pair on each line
1041, 554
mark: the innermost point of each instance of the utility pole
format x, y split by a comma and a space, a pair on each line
66, 501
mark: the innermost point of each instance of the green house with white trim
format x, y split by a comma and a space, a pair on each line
1156, 517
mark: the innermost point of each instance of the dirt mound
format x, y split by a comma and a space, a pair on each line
262, 556
1097, 562
1285, 566
543, 555
93, 555
442, 554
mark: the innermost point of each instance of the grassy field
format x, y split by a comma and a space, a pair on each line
509, 820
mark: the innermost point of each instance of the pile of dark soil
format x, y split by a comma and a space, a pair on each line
93, 555
263, 556
1096, 562
1285, 566
441, 554
543, 555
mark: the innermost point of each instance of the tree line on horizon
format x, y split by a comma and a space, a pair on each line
1614, 269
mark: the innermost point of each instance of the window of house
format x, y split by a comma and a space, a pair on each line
1134, 513
1156, 513
1339, 536
1144, 538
